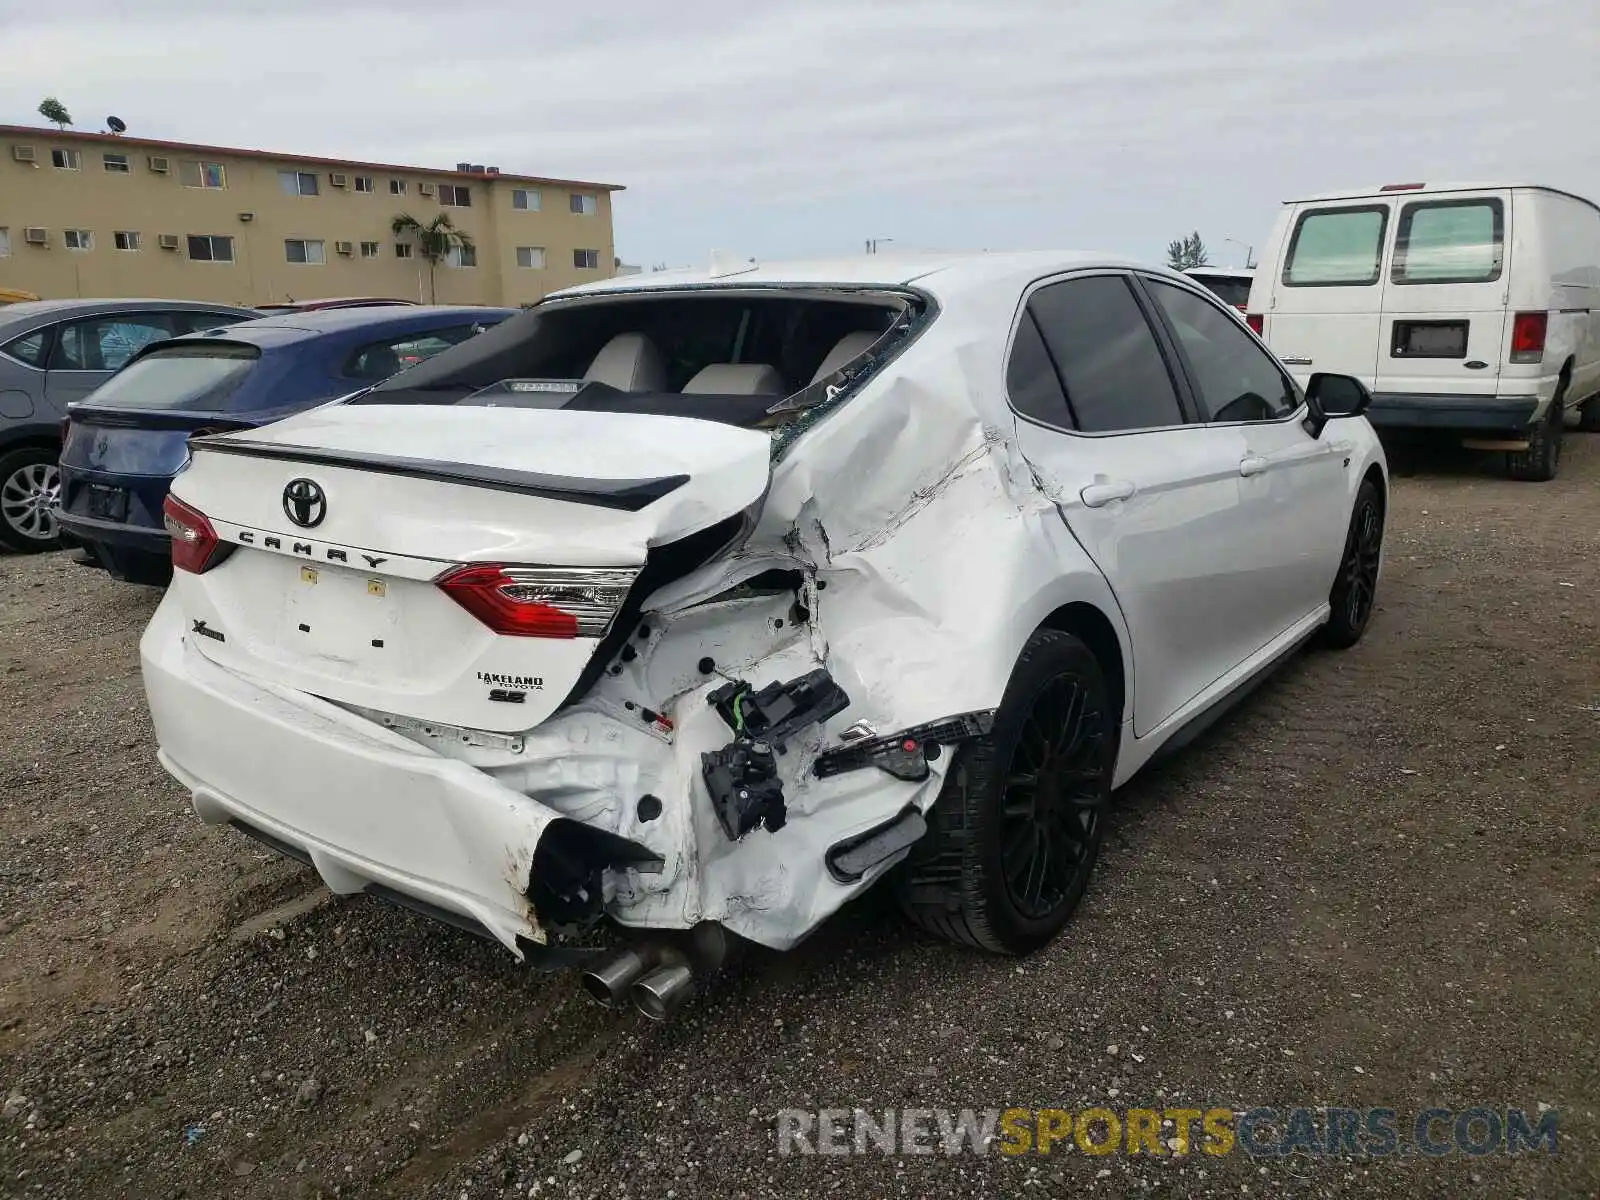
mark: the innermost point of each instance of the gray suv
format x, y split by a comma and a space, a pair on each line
53, 352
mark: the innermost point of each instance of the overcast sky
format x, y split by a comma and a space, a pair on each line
805, 128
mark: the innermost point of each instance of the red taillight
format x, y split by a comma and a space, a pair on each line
1527, 336
1257, 323
548, 602
195, 545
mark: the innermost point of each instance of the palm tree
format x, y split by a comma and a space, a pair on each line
434, 240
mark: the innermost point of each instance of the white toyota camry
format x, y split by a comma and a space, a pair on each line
700, 602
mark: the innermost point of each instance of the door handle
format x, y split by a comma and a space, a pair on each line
1097, 495
1252, 464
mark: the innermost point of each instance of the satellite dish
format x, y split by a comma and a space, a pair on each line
116, 125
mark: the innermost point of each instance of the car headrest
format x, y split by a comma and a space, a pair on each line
629, 362
846, 348
737, 379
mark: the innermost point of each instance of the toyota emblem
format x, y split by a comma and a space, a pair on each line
304, 503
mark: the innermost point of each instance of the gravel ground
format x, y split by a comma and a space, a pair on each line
1374, 885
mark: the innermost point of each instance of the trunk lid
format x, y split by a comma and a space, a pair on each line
335, 524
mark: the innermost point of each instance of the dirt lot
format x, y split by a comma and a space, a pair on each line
1377, 884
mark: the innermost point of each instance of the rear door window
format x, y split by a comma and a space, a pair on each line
182, 377
1337, 247
31, 348
1110, 364
1450, 241
106, 343
381, 359
1031, 378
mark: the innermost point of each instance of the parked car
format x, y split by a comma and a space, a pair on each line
1469, 310
1230, 284
702, 602
124, 443
288, 306
53, 352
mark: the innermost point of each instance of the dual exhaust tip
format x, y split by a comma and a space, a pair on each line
659, 977
654, 979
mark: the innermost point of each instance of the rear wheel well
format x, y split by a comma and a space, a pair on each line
1091, 627
42, 440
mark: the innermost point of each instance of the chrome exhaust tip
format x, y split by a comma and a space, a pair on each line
609, 983
661, 993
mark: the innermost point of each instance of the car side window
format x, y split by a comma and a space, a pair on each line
1110, 364
1237, 379
105, 343
29, 348
379, 360
1031, 378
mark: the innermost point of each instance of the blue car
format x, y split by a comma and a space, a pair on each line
127, 439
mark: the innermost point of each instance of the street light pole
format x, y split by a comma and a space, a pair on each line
872, 244
1249, 252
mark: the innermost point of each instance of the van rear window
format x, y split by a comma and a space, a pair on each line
1450, 241
1337, 247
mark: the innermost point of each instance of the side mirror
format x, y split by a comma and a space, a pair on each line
1329, 396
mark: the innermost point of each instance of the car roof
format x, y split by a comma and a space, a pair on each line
945, 271
31, 313
285, 328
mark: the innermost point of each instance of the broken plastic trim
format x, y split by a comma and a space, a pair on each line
848, 861
565, 885
742, 780
905, 754
775, 712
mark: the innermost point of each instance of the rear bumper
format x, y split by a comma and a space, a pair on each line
370, 810
131, 552
1413, 410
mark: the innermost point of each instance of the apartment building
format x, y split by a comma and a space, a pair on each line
98, 214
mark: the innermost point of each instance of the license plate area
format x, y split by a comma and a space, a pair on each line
1429, 339
339, 614
106, 503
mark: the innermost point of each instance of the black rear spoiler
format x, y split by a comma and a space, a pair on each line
628, 495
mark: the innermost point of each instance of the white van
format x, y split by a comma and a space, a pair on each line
1473, 309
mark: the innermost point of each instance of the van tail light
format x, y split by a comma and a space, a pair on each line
196, 548
547, 602
1257, 323
1527, 336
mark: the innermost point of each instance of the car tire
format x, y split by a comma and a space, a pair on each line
1015, 832
26, 474
1355, 588
1542, 459
1589, 415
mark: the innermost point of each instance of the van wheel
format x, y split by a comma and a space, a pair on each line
1015, 833
1589, 415
1540, 461
30, 484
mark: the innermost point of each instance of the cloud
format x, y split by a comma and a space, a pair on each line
809, 127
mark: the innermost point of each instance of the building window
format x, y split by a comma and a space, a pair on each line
201, 174
397, 187
363, 183
299, 250
586, 260
585, 203
5, 242
207, 247
531, 257
67, 160
77, 239
462, 256
116, 162
369, 249
298, 183
526, 199
455, 197
402, 250
126, 239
